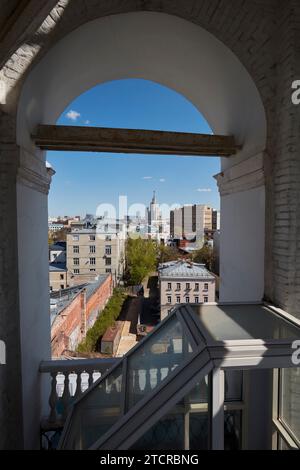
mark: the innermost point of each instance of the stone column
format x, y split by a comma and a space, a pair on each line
11, 410
33, 182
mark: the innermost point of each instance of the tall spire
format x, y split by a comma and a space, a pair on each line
154, 197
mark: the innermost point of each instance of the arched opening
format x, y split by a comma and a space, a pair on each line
185, 58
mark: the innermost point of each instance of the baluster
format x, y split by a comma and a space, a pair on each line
78, 386
53, 399
155, 377
148, 381
136, 382
90, 380
66, 396
159, 376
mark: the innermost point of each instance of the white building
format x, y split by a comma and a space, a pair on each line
182, 282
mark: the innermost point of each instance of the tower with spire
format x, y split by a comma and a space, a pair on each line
154, 215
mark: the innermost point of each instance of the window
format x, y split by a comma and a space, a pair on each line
187, 299
76, 261
178, 300
169, 299
92, 249
289, 406
206, 287
196, 300
51, 288
62, 286
108, 250
178, 286
206, 300
92, 238
62, 277
108, 270
107, 261
197, 287
92, 261
75, 238
75, 249
108, 238
169, 286
188, 286
92, 270
76, 271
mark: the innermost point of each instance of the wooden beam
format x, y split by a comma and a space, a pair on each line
100, 139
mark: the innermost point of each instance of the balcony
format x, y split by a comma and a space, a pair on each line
186, 381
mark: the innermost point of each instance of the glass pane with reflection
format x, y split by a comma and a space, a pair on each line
184, 427
152, 363
96, 412
290, 399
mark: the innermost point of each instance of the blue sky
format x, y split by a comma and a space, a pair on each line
85, 180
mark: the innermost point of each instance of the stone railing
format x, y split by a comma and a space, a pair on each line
69, 380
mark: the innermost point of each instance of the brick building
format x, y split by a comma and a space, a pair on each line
75, 311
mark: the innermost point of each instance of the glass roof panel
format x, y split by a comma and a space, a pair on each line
245, 322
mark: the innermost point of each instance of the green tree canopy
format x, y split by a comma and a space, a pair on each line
204, 256
168, 253
141, 258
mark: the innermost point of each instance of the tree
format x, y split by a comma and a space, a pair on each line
141, 259
204, 256
58, 236
168, 253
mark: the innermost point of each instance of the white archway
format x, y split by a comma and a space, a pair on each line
157, 47
181, 56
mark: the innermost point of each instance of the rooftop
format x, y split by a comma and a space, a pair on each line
182, 269
57, 267
58, 246
60, 300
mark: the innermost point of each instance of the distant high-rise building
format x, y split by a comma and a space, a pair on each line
158, 228
176, 223
190, 221
154, 215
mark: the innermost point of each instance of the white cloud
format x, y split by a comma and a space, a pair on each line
73, 115
147, 178
204, 190
162, 180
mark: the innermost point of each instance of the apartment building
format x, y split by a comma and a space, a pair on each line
58, 277
182, 282
190, 221
176, 224
97, 249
